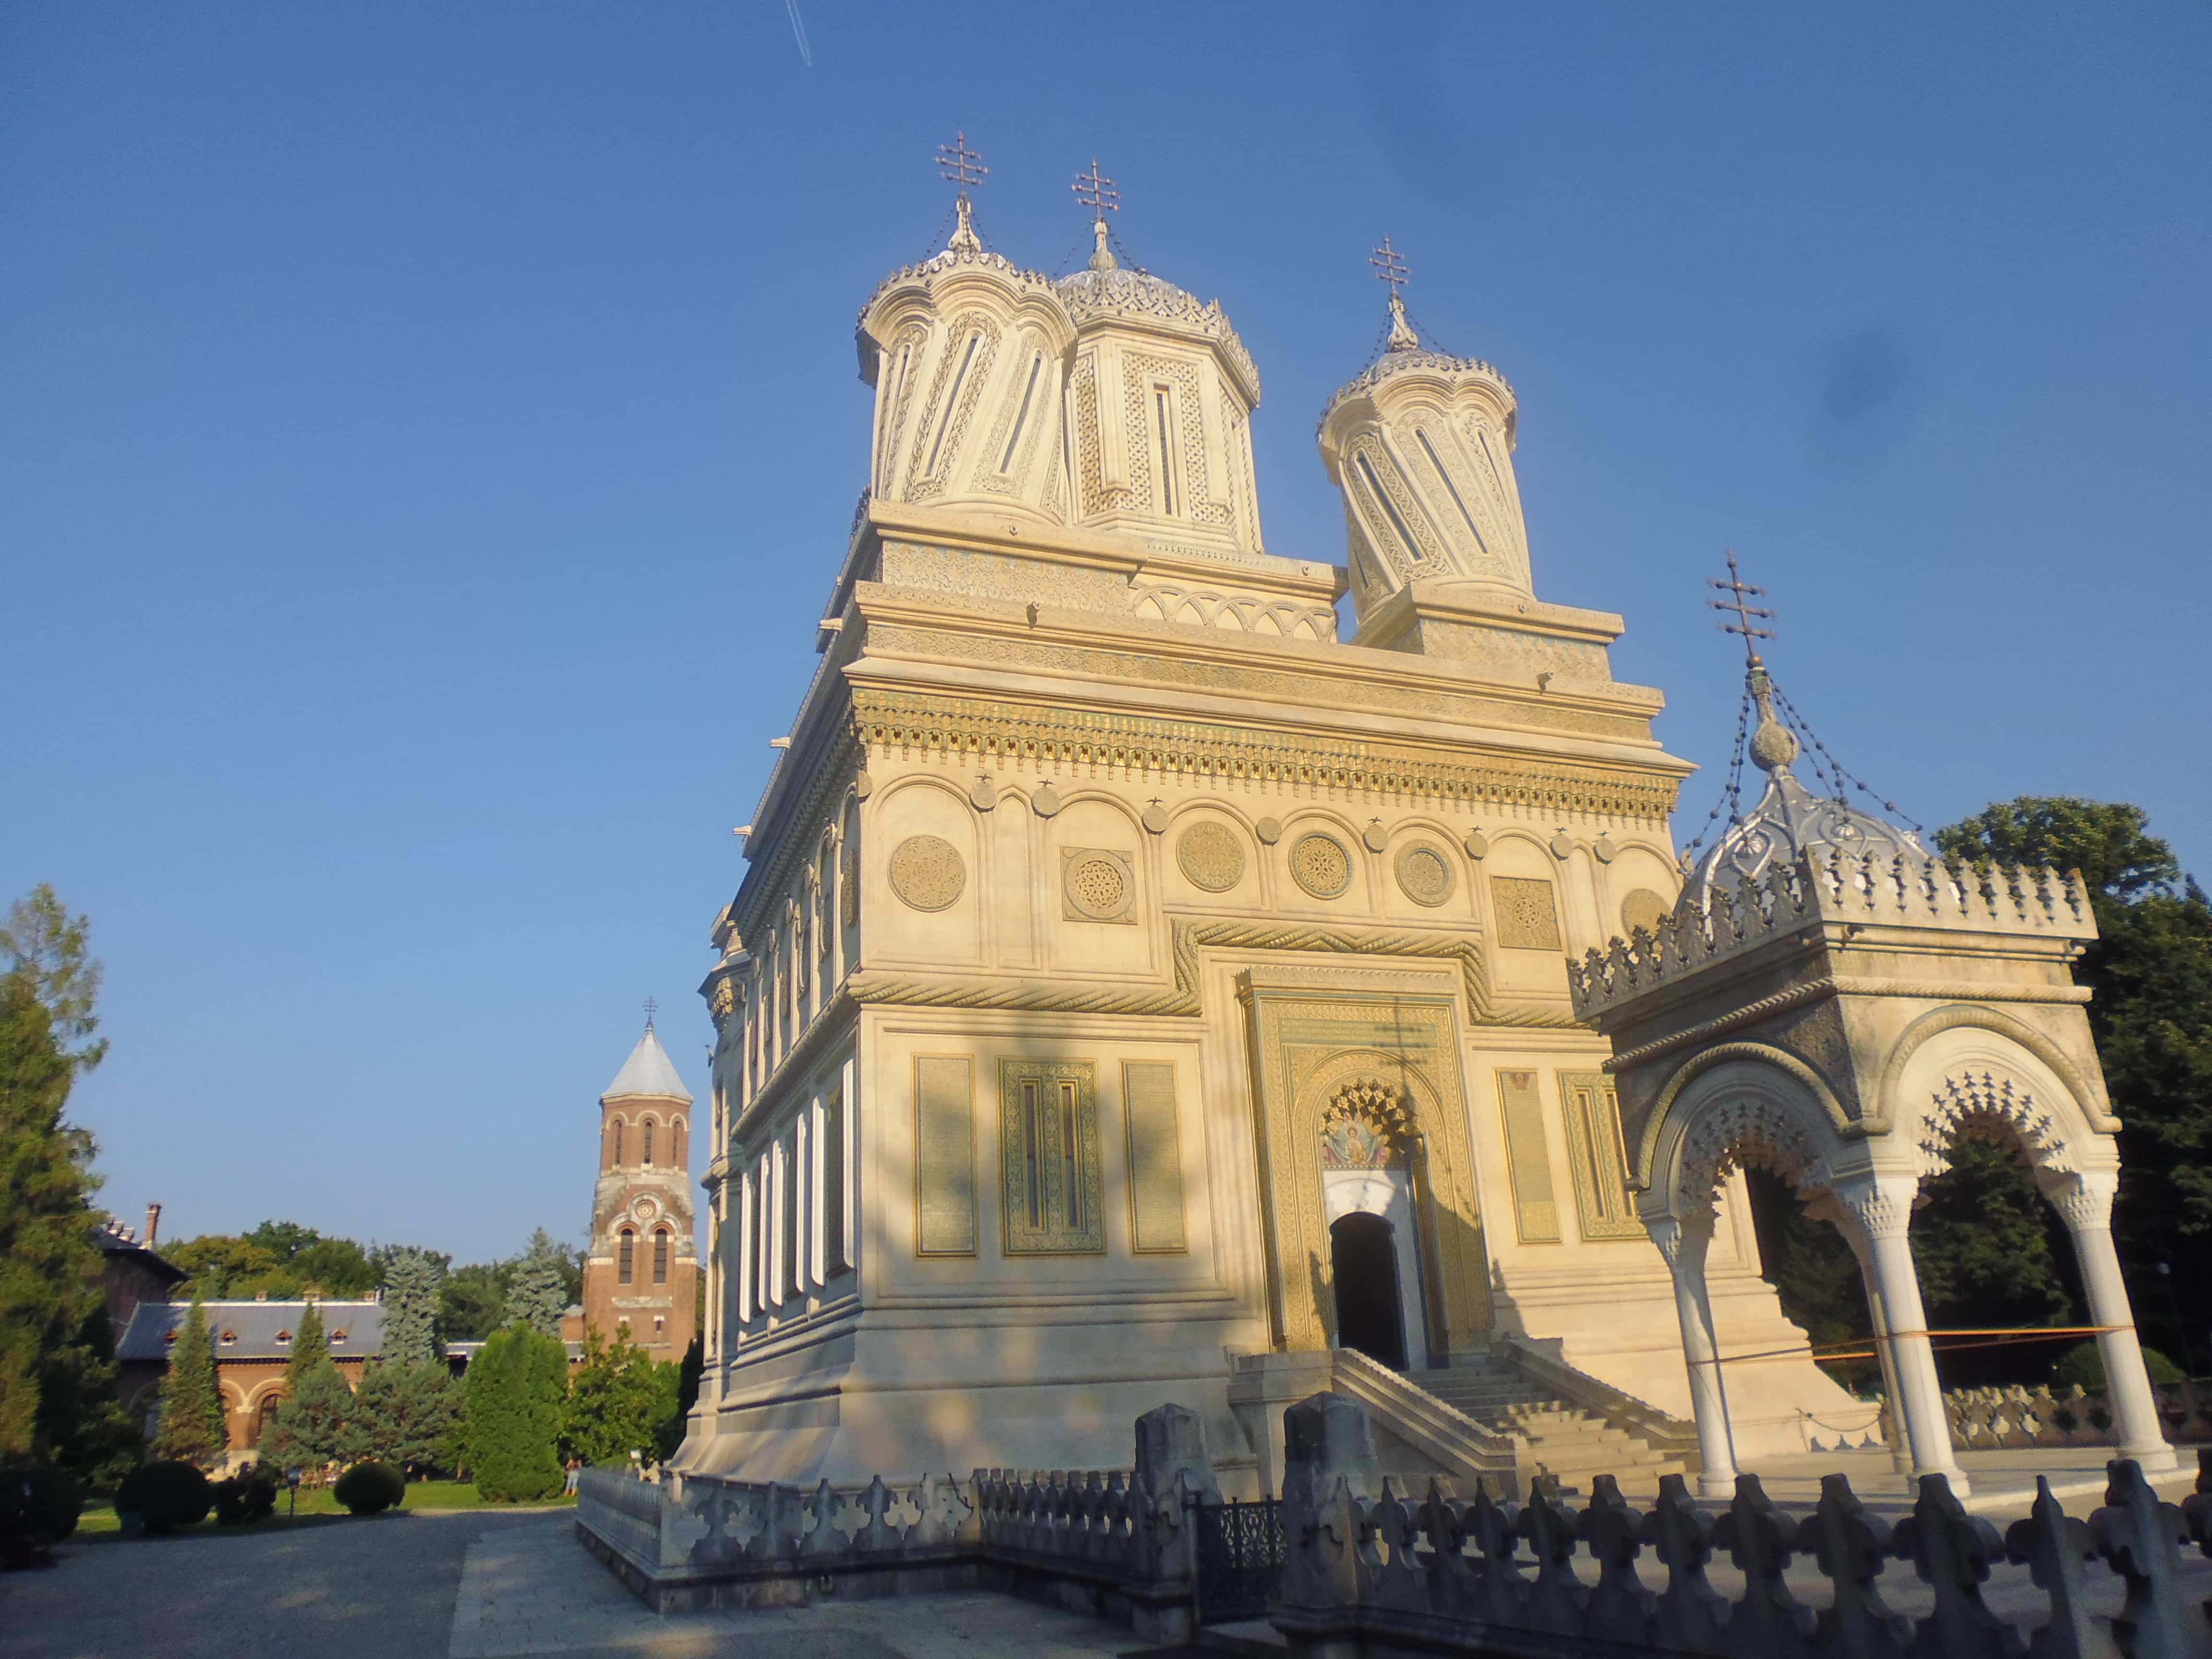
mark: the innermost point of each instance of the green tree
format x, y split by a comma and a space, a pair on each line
411, 1283
473, 1302
539, 1293
620, 1400
193, 1423
517, 1386
2150, 975
405, 1415
310, 1349
52, 1376
224, 1268
313, 1421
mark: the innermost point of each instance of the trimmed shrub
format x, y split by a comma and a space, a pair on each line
2084, 1367
517, 1386
166, 1495
40, 1503
248, 1496
370, 1488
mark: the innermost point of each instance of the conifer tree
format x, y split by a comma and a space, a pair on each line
57, 1372
310, 1348
311, 1422
540, 1293
517, 1386
193, 1429
404, 1415
411, 1280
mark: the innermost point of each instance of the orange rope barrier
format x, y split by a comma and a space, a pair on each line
2007, 1336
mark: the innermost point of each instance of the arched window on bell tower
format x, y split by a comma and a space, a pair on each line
619, 1129
648, 1140
661, 1255
626, 1257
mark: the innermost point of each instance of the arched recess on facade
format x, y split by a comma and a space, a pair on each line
260, 1405
2005, 1037
1440, 1160
1779, 1092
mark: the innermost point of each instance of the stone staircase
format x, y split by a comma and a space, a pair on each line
1547, 1435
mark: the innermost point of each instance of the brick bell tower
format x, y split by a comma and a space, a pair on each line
642, 1272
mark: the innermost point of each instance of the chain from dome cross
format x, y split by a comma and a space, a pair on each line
1390, 267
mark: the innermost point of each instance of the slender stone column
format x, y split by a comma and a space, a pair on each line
1882, 1207
1828, 1208
2084, 1202
1684, 1243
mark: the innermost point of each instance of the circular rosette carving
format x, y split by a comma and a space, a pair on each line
1643, 909
928, 872
1424, 873
1100, 886
1321, 864
1211, 856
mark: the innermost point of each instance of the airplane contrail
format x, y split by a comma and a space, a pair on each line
799, 32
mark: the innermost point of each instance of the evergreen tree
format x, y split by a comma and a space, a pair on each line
517, 1385
56, 1376
193, 1425
411, 1281
473, 1301
312, 1423
540, 1291
310, 1349
405, 1415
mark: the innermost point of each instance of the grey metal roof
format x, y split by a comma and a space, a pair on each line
649, 1071
120, 1241
253, 1329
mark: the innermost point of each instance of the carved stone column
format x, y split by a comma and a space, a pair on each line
1828, 1208
1684, 1243
1880, 1206
2084, 1202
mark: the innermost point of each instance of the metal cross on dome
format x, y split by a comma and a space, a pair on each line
1390, 267
1739, 589
1096, 193
652, 1007
959, 165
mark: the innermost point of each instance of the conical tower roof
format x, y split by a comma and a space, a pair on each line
649, 1071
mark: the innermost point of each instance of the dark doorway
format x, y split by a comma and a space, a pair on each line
1364, 1260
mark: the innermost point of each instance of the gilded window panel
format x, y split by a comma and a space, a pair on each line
1156, 1213
1049, 1137
1528, 1158
944, 1154
1600, 1165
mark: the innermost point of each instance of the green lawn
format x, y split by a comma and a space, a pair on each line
316, 1507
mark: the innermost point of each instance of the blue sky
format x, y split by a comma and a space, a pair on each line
428, 433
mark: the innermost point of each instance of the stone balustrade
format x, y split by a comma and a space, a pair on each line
1368, 1577
1114, 1543
1984, 1419
1867, 891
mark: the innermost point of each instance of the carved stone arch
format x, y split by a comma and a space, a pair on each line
1839, 1124
1455, 1283
2087, 1089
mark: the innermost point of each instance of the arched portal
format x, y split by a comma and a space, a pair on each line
1363, 1262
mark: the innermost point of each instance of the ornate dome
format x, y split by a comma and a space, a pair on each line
1789, 818
1115, 293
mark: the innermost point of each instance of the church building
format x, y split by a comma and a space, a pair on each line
1142, 989
641, 1268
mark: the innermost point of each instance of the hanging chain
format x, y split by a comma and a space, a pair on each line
1804, 729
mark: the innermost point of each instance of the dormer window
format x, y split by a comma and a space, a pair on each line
228, 1337
283, 1339
337, 1337
168, 1336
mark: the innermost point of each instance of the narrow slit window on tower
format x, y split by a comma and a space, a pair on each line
648, 1140
661, 1256
1391, 507
626, 1254
1163, 411
1437, 461
952, 402
1022, 416
618, 1127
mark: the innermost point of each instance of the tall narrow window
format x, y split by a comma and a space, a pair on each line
1070, 1159
1163, 414
1033, 1152
618, 1127
1389, 507
661, 1255
952, 402
626, 1257
648, 1140
1050, 1130
833, 1187
1022, 416
1437, 461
